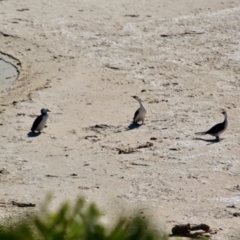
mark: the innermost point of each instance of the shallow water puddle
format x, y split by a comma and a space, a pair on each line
8, 74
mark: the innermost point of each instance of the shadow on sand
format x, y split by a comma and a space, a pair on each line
209, 141
196, 235
33, 134
133, 126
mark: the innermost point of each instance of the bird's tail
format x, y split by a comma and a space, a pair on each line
201, 133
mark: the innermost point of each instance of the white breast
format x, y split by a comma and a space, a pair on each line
42, 123
141, 115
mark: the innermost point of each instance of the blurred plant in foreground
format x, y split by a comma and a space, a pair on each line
78, 222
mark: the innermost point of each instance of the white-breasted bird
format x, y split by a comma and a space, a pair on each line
140, 113
218, 128
40, 121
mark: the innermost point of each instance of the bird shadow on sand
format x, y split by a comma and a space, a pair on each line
209, 141
196, 235
133, 126
34, 134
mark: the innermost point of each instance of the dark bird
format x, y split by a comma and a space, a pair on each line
218, 128
40, 121
140, 113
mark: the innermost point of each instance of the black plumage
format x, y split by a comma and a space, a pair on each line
217, 129
40, 121
36, 123
135, 115
140, 113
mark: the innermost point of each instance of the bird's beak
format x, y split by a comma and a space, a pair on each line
133, 96
48, 110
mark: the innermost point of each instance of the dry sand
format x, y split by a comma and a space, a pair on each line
84, 60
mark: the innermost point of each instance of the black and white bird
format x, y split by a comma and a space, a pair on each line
40, 121
218, 128
140, 113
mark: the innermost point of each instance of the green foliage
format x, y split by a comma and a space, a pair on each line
78, 222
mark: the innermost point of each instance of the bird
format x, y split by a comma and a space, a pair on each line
140, 113
218, 128
40, 121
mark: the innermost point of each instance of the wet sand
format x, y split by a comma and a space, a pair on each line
8, 73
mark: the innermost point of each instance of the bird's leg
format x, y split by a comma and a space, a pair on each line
217, 138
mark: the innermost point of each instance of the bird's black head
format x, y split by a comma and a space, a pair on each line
136, 97
224, 112
44, 111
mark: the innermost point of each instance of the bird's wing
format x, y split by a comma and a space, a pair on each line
36, 123
215, 129
136, 113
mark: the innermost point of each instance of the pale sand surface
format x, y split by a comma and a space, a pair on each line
84, 60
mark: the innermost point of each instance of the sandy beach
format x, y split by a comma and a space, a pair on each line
84, 60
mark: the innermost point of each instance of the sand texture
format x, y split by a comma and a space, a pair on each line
84, 60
